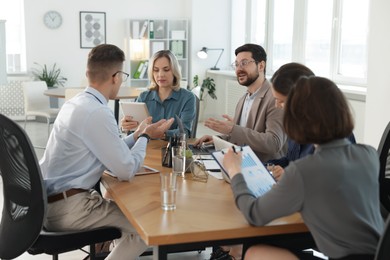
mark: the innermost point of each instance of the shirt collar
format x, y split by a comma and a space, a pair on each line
333, 144
97, 94
174, 95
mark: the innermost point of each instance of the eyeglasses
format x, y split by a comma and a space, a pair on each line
124, 75
242, 64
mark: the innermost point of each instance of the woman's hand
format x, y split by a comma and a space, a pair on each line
128, 124
277, 172
232, 162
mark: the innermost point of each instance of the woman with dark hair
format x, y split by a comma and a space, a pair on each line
283, 80
335, 189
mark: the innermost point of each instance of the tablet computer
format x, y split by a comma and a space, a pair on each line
138, 110
256, 176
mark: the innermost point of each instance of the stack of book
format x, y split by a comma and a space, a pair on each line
141, 70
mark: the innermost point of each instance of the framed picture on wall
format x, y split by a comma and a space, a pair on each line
92, 29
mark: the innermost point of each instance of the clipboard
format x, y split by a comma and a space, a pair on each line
257, 177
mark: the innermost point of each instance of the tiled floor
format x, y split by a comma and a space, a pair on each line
38, 136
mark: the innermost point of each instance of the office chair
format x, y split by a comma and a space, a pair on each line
383, 249
384, 181
25, 203
195, 123
37, 104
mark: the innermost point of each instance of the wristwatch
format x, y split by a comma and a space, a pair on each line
145, 135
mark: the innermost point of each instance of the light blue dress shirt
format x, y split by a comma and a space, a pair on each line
180, 103
84, 142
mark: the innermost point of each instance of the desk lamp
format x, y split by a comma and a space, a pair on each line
203, 55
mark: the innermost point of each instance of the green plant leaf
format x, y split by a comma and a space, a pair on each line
52, 77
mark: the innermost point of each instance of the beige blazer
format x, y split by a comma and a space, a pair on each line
264, 131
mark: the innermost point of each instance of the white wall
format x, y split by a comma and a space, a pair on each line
378, 92
209, 27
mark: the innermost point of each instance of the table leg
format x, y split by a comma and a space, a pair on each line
159, 253
116, 110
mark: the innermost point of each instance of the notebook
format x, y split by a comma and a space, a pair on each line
256, 176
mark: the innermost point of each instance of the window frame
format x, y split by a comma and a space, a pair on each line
299, 37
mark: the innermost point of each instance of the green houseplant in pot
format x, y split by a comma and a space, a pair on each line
206, 89
52, 76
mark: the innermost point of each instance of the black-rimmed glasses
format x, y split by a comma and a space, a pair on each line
124, 75
242, 64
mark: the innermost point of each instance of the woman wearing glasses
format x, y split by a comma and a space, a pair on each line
335, 189
165, 98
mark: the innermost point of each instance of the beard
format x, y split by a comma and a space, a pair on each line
249, 79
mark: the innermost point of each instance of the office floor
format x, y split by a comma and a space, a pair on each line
38, 135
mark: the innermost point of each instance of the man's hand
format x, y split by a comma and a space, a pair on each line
220, 126
142, 126
228, 118
127, 123
158, 129
206, 139
232, 162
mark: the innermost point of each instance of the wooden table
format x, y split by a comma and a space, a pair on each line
205, 213
123, 93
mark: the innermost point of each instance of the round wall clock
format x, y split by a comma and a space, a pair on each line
52, 19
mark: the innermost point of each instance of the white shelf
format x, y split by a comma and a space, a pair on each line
147, 36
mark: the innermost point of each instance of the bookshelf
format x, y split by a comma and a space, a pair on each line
147, 36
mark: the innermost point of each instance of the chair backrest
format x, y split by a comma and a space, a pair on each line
383, 249
24, 194
34, 99
384, 181
195, 123
71, 92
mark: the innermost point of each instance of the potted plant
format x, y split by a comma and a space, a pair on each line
208, 85
206, 89
51, 76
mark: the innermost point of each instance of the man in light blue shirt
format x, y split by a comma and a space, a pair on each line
83, 143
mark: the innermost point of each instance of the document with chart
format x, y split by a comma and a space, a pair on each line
256, 176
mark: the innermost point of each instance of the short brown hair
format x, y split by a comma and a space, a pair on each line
258, 52
317, 112
103, 61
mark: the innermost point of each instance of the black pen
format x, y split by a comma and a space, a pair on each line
234, 149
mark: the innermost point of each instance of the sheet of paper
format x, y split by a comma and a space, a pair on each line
211, 165
217, 175
203, 157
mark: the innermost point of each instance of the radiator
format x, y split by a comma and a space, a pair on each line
233, 93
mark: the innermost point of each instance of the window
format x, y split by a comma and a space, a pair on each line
330, 37
15, 35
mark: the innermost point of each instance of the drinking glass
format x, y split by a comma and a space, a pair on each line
168, 190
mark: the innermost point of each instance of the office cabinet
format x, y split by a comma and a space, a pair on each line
147, 36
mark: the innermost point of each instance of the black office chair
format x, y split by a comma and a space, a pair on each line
384, 181
383, 249
195, 123
25, 201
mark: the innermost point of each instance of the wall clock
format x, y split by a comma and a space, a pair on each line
52, 19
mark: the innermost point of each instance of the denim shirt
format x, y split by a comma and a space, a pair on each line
180, 103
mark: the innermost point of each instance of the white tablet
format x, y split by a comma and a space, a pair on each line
256, 176
138, 110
